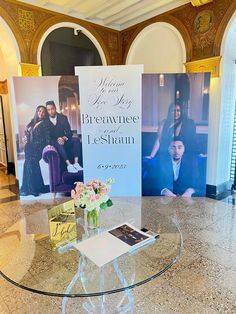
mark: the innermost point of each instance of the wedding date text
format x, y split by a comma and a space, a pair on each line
113, 166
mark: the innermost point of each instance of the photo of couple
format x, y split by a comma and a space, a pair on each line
53, 136
175, 136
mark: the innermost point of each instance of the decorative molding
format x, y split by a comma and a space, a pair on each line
205, 65
26, 20
197, 3
29, 69
203, 21
3, 87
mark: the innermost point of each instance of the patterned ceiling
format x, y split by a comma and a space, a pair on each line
116, 14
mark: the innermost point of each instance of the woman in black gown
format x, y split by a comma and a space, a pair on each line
35, 139
176, 124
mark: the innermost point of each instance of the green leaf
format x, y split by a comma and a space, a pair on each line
109, 203
103, 205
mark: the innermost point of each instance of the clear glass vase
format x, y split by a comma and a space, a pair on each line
93, 218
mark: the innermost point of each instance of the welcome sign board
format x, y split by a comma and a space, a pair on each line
110, 99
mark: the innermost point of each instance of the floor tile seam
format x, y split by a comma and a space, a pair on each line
171, 286
18, 308
193, 238
36, 276
183, 267
213, 284
206, 225
53, 300
197, 295
213, 260
181, 291
189, 224
182, 270
232, 251
206, 274
8, 186
5, 303
10, 223
9, 199
199, 298
30, 294
209, 244
4, 215
216, 244
209, 229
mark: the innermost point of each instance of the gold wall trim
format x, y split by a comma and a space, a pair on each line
197, 3
205, 65
3, 87
29, 69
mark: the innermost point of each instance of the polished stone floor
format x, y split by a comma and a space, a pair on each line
202, 281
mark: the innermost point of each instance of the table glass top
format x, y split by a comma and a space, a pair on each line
28, 260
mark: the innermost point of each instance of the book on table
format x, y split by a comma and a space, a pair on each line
108, 245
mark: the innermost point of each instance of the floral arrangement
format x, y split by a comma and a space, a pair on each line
93, 194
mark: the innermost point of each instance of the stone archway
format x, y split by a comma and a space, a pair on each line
76, 27
226, 108
157, 55
10, 66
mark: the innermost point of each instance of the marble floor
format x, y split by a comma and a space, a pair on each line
202, 281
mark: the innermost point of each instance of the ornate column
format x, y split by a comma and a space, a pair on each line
205, 65
197, 3
29, 69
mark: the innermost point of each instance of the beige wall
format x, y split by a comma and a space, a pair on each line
160, 48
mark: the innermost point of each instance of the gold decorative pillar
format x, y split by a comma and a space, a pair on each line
197, 3
29, 69
205, 65
3, 87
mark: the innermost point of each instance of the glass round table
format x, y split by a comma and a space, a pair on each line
30, 260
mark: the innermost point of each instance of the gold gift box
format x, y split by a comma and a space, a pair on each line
62, 223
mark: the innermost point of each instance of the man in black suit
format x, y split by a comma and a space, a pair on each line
61, 135
178, 172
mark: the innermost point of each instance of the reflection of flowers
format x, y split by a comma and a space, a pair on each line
93, 194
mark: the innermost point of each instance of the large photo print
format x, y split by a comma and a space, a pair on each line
174, 134
49, 146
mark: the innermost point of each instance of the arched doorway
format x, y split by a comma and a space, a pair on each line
9, 64
66, 45
157, 55
227, 110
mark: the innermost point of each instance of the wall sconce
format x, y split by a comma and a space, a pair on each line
161, 80
177, 94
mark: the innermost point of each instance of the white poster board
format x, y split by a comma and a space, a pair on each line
110, 106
